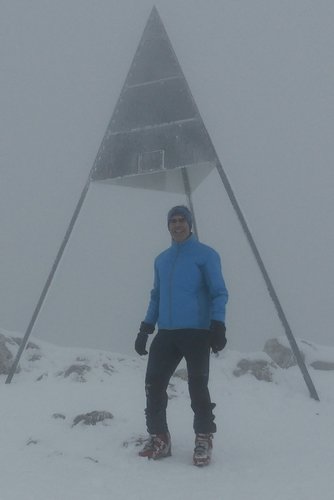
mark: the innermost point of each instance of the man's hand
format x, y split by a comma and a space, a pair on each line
144, 331
217, 335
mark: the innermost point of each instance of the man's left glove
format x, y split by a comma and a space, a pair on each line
217, 335
144, 331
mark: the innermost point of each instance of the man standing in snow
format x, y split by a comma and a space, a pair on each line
188, 303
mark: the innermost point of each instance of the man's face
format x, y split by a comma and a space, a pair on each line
179, 228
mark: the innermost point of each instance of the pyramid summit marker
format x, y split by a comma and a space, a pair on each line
156, 125
156, 129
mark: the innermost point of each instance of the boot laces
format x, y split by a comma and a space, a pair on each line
156, 442
203, 444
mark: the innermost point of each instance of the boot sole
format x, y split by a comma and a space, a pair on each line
152, 457
168, 454
201, 462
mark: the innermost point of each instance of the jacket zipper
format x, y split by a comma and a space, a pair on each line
171, 274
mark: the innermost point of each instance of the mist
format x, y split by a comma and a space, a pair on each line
262, 76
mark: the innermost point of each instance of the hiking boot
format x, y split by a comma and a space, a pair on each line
203, 449
157, 446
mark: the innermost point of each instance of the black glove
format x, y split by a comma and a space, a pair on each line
217, 335
144, 331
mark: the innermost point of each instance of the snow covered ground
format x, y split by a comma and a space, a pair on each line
273, 441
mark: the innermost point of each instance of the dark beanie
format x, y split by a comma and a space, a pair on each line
181, 210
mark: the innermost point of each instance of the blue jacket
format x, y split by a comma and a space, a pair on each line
189, 289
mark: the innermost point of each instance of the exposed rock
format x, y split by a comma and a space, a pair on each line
6, 357
59, 416
323, 365
92, 418
36, 356
30, 345
280, 354
260, 369
81, 359
181, 373
311, 354
108, 368
31, 441
8, 340
78, 370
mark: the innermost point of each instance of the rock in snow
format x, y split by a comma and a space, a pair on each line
278, 354
261, 369
92, 418
6, 357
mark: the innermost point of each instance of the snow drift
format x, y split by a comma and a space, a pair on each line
72, 421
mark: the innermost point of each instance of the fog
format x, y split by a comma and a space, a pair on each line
262, 75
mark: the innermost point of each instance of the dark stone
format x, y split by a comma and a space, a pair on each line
260, 369
59, 416
323, 365
79, 370
6, 357
181, 373
281, 355
92, 418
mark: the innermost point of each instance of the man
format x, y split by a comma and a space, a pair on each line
188, 303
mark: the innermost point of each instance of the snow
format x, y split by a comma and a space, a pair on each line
267, 110
273, 442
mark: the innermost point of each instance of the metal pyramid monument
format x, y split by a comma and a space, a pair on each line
156, 129
156, 125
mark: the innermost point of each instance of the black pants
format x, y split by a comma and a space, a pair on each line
167, 349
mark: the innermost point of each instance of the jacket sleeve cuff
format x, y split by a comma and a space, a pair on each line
146, 328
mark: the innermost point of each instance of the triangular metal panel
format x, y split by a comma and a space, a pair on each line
155, 58
156, 125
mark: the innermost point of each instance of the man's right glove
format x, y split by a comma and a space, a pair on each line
144, 331
217, 335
